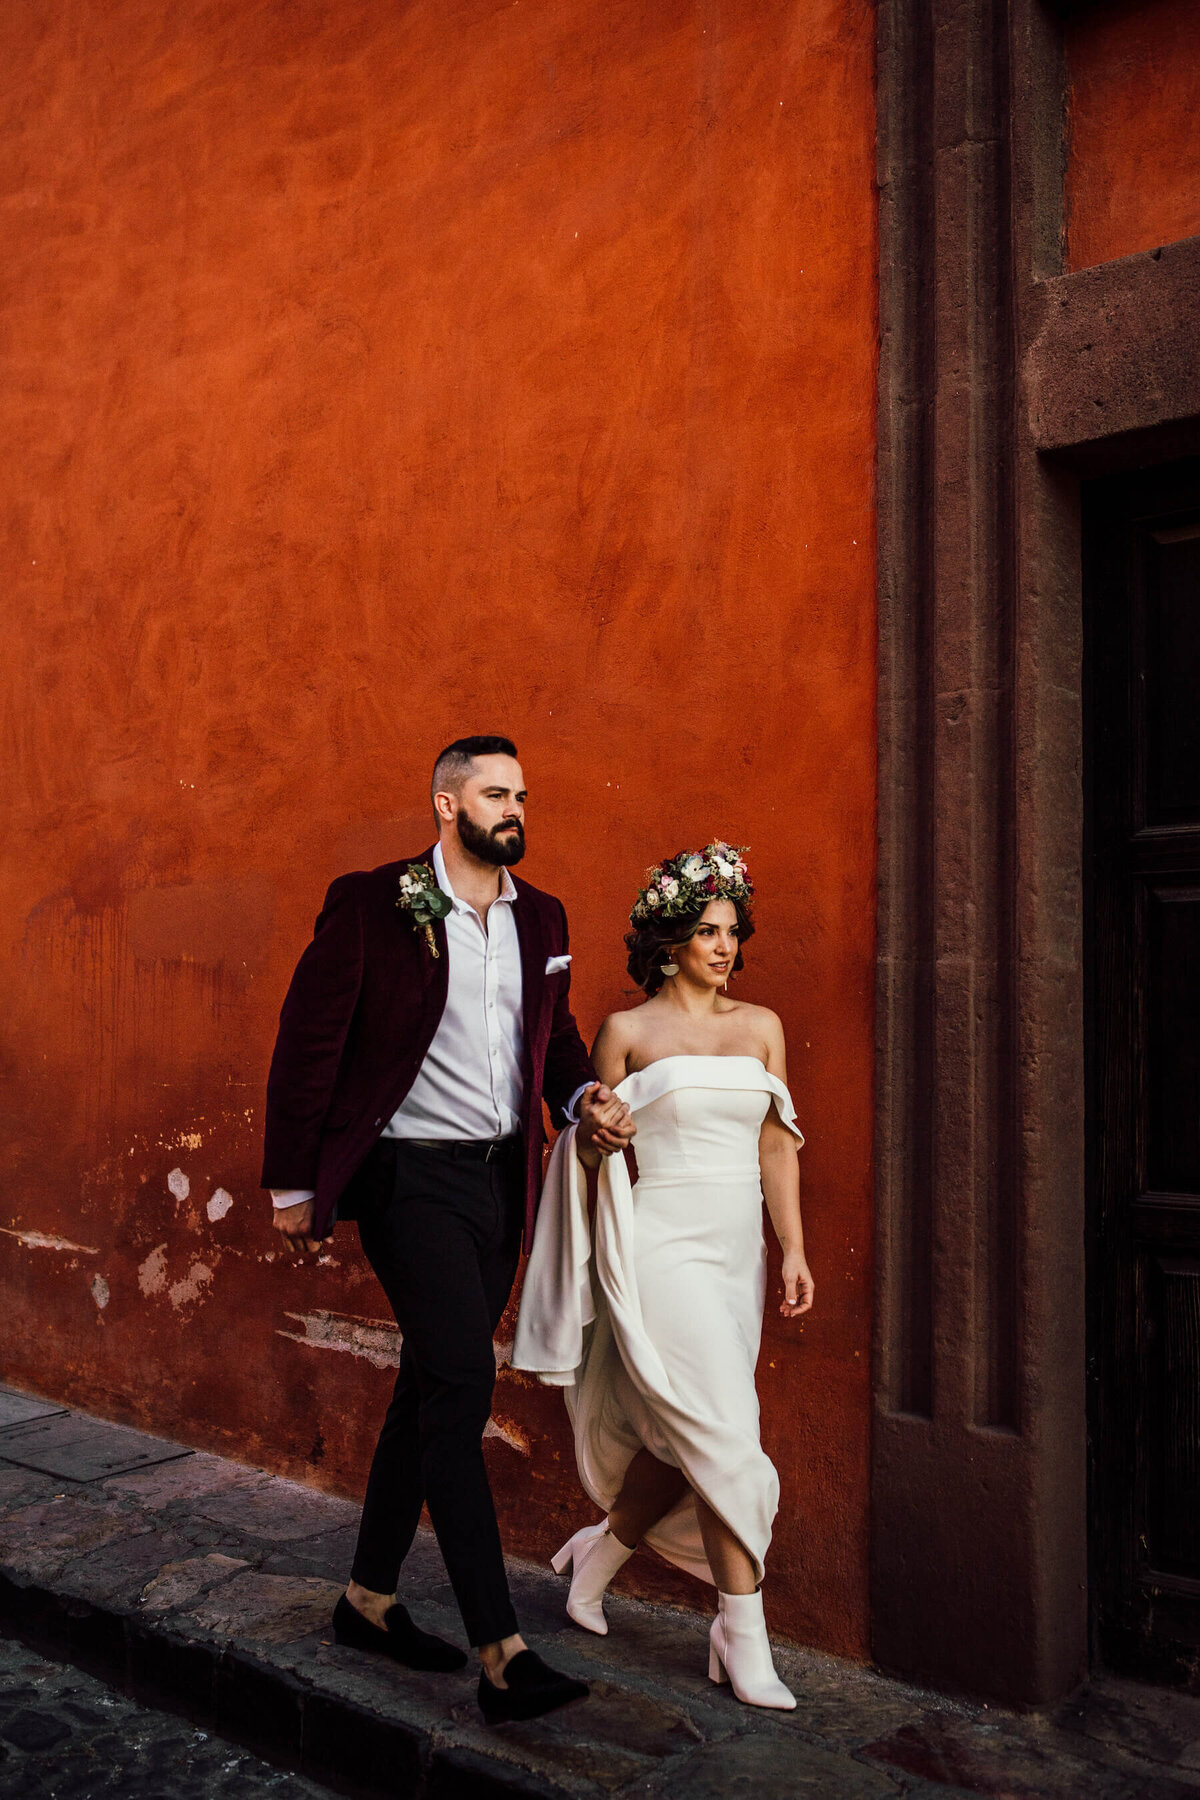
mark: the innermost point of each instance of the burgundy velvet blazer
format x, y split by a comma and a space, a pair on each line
360, 1015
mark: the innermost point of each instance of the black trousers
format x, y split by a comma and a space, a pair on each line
443, 1234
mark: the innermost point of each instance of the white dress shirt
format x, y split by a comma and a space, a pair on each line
470, 1084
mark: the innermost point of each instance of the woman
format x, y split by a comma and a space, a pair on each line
654, 1330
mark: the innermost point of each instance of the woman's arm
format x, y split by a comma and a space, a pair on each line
608, 1060
777, 1149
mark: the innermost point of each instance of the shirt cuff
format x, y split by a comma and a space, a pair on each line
291, 1196
571, 1109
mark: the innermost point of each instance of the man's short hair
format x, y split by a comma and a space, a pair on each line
457, 761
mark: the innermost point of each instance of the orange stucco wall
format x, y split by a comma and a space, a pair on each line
376, 373
1133, 171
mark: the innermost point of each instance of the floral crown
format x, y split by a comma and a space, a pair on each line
692, 879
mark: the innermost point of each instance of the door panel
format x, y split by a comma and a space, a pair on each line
1142, 899
1173, 1439
1173, 675
1173, 1037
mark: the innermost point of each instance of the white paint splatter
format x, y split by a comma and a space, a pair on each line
219, 1205
152, 1275
189, 1289
179, 1184
41, 1240
100, 1292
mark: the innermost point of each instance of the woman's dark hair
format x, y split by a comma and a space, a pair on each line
650, 943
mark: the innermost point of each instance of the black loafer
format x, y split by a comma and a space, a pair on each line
403, 1641
532, 1689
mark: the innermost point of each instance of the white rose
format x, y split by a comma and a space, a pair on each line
724, 868
652, 897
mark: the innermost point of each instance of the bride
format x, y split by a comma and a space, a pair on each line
653, 1328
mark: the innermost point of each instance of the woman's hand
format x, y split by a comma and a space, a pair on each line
798, 1285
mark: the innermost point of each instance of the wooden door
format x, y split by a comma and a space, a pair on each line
1142, 899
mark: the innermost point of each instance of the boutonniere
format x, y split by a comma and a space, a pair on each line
421, 896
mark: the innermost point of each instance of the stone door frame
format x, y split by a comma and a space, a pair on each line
1002, 382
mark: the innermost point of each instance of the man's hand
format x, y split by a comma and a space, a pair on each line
295, 1226
605, 1123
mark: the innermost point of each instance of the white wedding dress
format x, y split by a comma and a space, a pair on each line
652, 1325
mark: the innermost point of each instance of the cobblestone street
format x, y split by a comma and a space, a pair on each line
65, 1736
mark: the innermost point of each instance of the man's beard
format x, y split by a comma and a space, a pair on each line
490, 846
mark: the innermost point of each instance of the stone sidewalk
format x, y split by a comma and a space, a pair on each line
204, 1586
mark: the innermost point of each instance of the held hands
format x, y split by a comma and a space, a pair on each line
295, 1226
605, 1125
798, 1285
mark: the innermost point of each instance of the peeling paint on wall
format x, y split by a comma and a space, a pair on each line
377, 1341
100, 1293
508, 1433
186, 1292
179, 1184
152, 1275
219, 1205
41, 1240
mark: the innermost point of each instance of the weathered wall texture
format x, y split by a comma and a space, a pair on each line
375, 373
1133, 174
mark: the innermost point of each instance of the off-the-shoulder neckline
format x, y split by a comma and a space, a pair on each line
656, 1080
697, 1056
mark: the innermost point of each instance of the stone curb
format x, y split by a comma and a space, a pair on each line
280, 1716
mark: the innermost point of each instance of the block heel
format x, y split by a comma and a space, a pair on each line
562, 1559
593, 1556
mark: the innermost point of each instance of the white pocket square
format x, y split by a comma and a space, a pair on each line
556, 964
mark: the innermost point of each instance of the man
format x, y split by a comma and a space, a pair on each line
424, 1024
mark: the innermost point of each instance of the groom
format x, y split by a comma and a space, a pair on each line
424, 1024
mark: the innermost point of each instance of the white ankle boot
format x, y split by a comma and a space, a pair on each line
596, 1555
738, 1651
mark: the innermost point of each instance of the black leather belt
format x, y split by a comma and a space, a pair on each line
462, 1149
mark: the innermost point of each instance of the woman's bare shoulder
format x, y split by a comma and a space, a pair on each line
613, 1047
759, 1015
765, 1026
620, 1028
